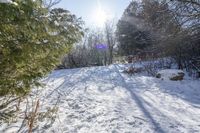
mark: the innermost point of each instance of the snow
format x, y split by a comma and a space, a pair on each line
169, 73
5, 1
8, 1
45, 41
56, 23
104, 100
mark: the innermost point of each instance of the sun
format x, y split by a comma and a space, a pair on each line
100, 17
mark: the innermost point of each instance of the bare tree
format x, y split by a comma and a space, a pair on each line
50, 3
110, 38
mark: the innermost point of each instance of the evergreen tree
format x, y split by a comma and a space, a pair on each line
131, 39
31, 44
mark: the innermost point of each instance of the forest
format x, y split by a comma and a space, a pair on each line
37, 39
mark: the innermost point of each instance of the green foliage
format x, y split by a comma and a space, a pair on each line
131, 38
145, 23
31, 43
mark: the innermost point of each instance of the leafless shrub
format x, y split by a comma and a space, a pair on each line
9, 108
31, 117
132, 70
151, 67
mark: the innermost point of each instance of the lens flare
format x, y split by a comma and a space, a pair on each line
99, 15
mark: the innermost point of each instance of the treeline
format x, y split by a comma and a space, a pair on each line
147, 29
97, 48
162, 28
33, 37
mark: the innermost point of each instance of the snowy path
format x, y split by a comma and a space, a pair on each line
162, 106
103, 100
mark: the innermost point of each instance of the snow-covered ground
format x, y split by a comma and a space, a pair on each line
104, 100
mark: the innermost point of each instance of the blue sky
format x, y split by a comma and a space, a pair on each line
87, 9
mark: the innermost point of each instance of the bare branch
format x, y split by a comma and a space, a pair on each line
50, 3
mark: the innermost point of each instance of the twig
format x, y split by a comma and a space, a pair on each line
32, 118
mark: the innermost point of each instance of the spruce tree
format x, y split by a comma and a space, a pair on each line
31, 44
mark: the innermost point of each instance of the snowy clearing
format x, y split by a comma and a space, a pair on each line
104, 100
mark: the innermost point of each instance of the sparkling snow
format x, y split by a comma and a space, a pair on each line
103, 100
